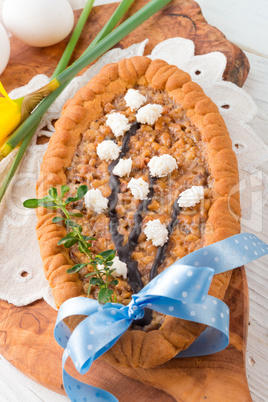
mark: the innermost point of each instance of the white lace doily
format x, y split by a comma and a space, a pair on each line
22, 280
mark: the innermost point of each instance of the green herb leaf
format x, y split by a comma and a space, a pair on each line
88, 238
90, 274
31, 203
76, 268
35, 203
77, 215
57, 219
114, 282
81, 191
82, 248
53, 192
95, 281
71, 235
70, 243
68, 240
48, 204
73, 224
64, 190
105, 295
47, 198
70, 199
107, 255
88, 290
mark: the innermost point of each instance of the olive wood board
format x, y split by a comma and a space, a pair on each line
26, 333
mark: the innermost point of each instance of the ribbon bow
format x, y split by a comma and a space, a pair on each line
179, 291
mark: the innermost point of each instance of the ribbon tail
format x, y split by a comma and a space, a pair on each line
209, 342
227, 254
73, 307
211, 312
95, 335
78, 391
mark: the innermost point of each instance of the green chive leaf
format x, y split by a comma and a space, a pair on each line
104, 41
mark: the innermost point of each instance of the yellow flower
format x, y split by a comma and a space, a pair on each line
14, 111
10, 113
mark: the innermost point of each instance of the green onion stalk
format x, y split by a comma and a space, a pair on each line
104, 41
117, 15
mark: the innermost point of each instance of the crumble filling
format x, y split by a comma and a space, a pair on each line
172, 134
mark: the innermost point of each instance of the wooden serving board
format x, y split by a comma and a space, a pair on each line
26, 333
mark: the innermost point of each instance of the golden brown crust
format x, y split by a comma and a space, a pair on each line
137, 348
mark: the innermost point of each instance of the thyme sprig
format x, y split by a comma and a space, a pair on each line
102, 276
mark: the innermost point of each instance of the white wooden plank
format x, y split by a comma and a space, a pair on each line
257, 272
16, 387
244, 22
256, 86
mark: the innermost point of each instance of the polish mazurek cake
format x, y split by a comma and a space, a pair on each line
157, 158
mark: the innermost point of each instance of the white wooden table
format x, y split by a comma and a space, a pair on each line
245, 23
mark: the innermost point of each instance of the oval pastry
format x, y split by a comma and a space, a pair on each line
179, 147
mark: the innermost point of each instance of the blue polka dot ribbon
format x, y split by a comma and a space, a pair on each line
180, 291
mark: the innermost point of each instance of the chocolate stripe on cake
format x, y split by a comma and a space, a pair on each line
124, 252
134, 235
128, 249
161, 251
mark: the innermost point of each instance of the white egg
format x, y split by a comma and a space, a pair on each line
38, 22
4, 48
